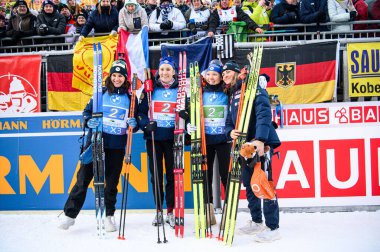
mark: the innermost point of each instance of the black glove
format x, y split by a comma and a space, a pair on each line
184, 114
292, 15
43, 29
151, 127
353, 15
275, 125
204, 27
192, 28
167, 25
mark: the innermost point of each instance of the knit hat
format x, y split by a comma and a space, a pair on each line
119, 66
134, 2
62, 6
170, 1
79, 15
45, 2
167, 60
231, 65
20, 2
215, 68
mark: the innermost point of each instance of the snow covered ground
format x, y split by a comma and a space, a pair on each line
339, 231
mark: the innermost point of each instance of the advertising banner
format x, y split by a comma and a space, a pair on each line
20, 84
363, 69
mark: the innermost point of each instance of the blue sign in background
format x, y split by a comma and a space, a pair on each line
33, 147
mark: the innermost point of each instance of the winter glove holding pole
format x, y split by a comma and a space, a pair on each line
151, 127
132, 122
93, 123
190, 129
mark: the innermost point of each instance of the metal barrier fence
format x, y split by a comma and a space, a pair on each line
276, 33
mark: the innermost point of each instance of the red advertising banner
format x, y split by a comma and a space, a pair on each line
20, 84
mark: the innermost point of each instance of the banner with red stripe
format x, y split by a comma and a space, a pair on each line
298, 74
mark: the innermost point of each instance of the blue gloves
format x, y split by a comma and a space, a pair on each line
93, 123
132, 122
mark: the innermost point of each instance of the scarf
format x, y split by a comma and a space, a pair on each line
165, 10
346, 4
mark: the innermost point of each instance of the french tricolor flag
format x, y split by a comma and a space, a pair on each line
134, 49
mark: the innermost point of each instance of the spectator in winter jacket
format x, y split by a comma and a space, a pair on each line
286, 12
22, 24
166, 17
150, 6
224, 14
76, 29
50, 22
197, 18
65, 11
261, 15
182, 6
2, 26
314, 11
132, 16
104, 18
249, 6
341, 11
362, 8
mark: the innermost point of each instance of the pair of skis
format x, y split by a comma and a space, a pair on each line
97, 142
128, 160
178, 148
247, 97
198, 157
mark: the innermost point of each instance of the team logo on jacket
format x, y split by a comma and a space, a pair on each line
285, 74
115, 99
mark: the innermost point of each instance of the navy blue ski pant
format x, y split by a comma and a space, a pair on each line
270, 209
113, 162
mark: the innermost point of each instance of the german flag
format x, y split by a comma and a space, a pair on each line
61, 95
298, 74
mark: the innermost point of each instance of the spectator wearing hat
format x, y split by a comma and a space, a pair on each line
224, 14
197, 18
22, 24
132, 16
115, 123
150, 6
50, 22
166, 17
76, 29
164, 99
104, 18
65, 11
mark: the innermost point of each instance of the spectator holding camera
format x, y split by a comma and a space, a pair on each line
22, 24
50, 22
341, 11
104, 18
166, 17
132, 16
197, 18
314, 11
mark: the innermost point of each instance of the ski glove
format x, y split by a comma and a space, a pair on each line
353, 15
151, 126
132, 122
183, 114
113, 33
190, 128
166, 25
93, 123
80, 38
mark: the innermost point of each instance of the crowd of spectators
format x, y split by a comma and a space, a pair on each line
19, 19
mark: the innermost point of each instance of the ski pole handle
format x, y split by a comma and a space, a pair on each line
148, 86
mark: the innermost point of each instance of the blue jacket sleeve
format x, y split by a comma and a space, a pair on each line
263, 114
88, 26
307, 13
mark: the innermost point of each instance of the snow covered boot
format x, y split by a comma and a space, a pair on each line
268, 235
170, 220
210, 207
158, 220
65, 222
110, 224
252, 228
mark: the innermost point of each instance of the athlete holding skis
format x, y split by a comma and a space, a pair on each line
215, 104
262, 133
116, 102
164, 100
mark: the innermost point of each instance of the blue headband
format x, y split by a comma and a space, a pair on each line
215, 68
